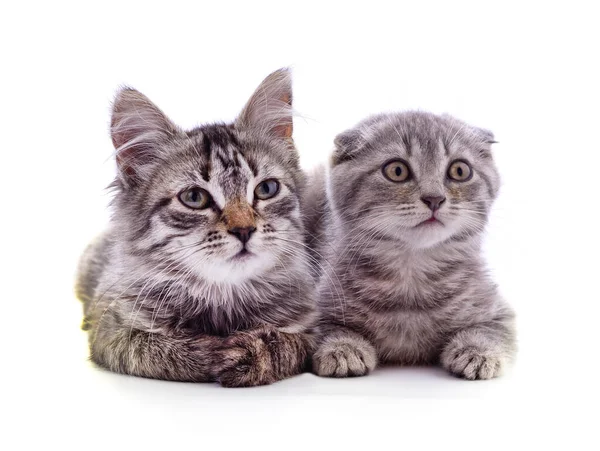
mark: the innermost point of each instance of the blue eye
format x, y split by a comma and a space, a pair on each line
396, 171
195, 198
266, 189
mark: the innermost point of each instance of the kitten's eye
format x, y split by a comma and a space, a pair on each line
460, 171
396, 171
267, 189
196, 198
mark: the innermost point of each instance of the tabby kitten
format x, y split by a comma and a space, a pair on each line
203, 273
404, 282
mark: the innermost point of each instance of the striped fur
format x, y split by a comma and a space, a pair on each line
395, 290
168, 291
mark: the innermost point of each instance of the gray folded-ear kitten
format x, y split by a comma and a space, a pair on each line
203, 274
404, 281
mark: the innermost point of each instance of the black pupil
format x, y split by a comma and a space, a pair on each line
195, 196
459, 171
266, 188
398, 171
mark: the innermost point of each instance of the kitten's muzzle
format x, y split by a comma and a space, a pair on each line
242, 233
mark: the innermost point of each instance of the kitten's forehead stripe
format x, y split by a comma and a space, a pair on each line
222, 150
252, 165
219, 135
206, 145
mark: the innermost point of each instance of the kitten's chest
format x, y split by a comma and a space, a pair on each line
409, 310
415, 284
213, 321
222, 313
408, 337
417, 279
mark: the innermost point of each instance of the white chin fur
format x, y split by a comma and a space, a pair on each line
236, 271
427, 236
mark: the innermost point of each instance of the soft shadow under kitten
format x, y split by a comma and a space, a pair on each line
409, 195
203, 273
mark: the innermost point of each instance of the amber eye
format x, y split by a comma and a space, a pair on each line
266, 189
396, 171
195, 198
460, 171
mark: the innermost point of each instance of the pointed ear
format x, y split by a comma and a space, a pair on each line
270, 107
137, 129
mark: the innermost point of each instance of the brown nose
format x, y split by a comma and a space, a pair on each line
239, 219
242, 233
433, 202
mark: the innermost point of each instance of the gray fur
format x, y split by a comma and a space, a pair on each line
163, 295
394, 291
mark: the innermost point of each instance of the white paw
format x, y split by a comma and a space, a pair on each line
472, 363
343, 357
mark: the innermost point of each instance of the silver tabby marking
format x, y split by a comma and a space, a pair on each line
401, 229
203, 274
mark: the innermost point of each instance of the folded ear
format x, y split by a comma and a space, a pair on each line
270, 107
346, 144
485, 135
137, 128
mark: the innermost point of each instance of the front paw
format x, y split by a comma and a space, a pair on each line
472, 363
248, 358
344, 357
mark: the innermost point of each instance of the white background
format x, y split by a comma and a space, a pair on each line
526, 70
